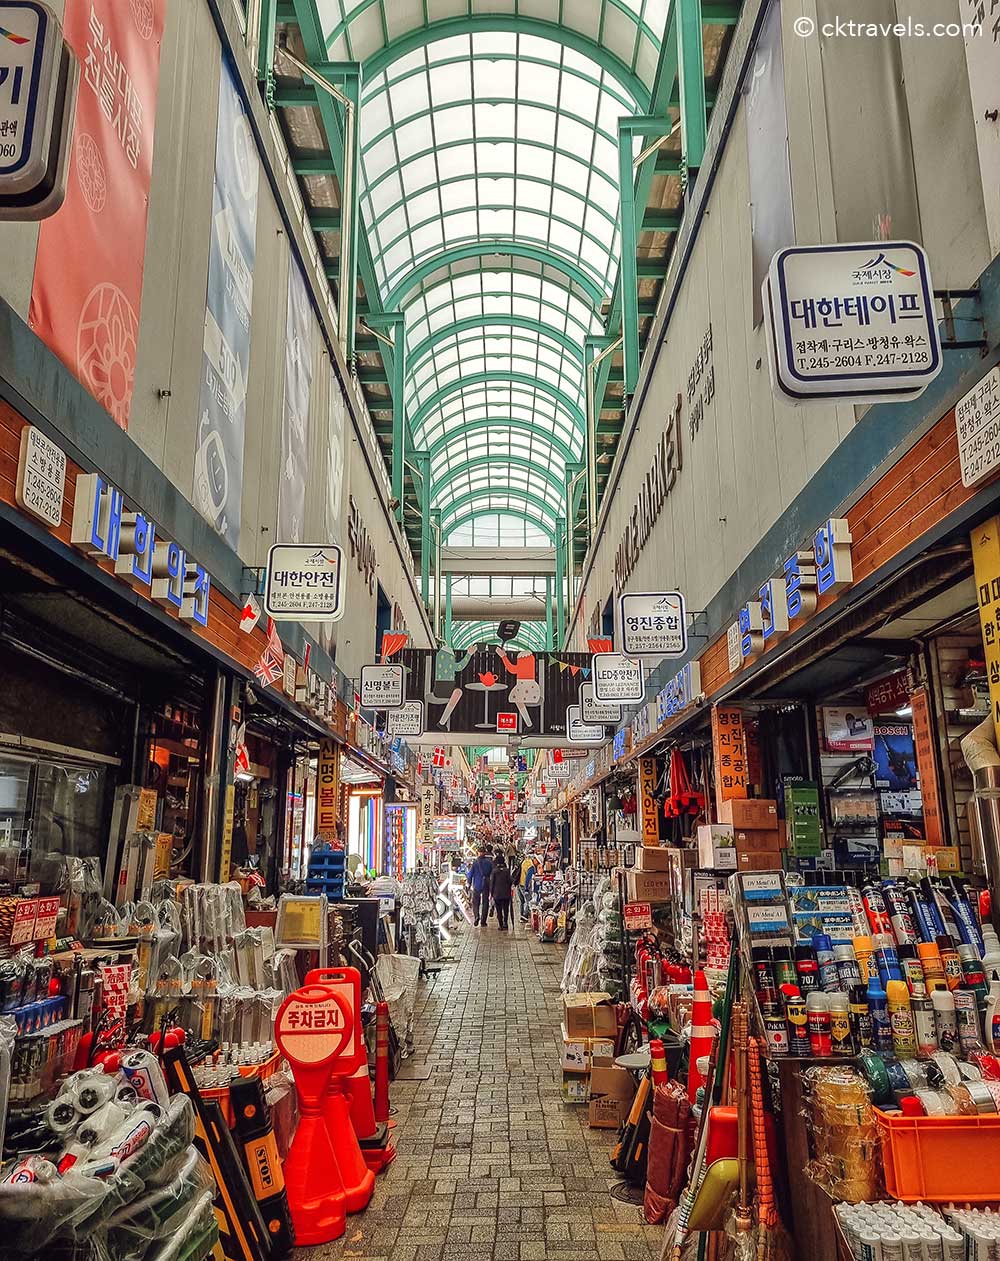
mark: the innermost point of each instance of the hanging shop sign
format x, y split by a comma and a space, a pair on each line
730, 753
653, 624
793, 598
679, 693
304, 582
643, 723
361, 545
649, 821
556, 771
103, 529
597, 712
923, 744
656, 486
637, 916
621, 745
580, 732
41, 476
616, 677
977, 423
408, 720
885, 696
428, 801
327, 790
986, 562
382, 687
39, 77
851, 322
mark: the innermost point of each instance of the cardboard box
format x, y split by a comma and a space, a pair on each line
612, 1090
753, 842
713, 838
759, 860
578, 1053
647, 886
575, 1087
746, 815
947, 858
652, 858
589, 1016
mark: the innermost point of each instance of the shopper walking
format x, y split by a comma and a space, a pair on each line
479, 881
501, 891
524, 879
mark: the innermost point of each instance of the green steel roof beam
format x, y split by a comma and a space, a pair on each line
475, 322
485, 378
395, 322
484, 498
485, 513
496, 425
503, 247
486, 461
691, 82
552, 306
413, 41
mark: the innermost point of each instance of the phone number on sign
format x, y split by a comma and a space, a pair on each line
820, 363
981, 453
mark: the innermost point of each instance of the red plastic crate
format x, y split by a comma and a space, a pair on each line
941, 1158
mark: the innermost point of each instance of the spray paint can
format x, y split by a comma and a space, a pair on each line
807, 969
951, 961
878, 1009
856, 905
945, 1019
968, 928
864, 952
904, 1042
913, 972
826, 963
930, 961
841, 1037
848, 972
887, 959
940, 908
876, 910
764, 986
818, 1018
973, 976
899, 913
776, 1032
797, 1019
925, 918
783, 966
967, 1017
860, 1017
923, 1025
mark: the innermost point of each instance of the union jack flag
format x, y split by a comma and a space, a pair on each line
271, 664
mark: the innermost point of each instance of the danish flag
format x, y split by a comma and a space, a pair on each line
439, 757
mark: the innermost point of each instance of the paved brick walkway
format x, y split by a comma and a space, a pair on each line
492, 1165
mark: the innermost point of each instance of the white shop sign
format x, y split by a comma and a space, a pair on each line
617, 677
382, 687
304, 582
408, 720
851, 322
580, 732
41, 476
977, 423
654, 624
595, 711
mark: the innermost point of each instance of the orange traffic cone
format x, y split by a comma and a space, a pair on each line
312, 1178
702, 1033
382, 1062
362, 1112
358, 1179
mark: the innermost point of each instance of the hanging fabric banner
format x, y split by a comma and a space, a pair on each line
218, 465
295, 416
87, 287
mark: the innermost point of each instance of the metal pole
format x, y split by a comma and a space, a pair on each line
629, 267
208, 823
691, 84
592, 361
436, 527
424, 463
447, 609
560, 586
548, 613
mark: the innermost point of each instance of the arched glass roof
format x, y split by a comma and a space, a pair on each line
489, 195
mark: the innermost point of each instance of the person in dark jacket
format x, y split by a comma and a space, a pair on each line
501, 890
479, 881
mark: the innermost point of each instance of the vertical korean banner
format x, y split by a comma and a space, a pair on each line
218, 465
87, 288
295, 416
729, 753
986, 561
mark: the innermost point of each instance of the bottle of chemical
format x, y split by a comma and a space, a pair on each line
939, 908
886, 959
807, 969
925, 919
991, 949
894, 893
904, 1040
992, 1022
970, 1035
876, 910
913, 972
797, 1019
818, 1016
930, 961
825, 962
861, 1020
878, 1009
784, 966
841, 1038
848, 972
764, 987
973, 976
945, 1019
950, 961
864, 952
923, 1025
968, 926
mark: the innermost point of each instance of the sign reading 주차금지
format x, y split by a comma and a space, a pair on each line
616, 677
977, 423
853, 322
580, 732
408, 720
594, 711
653, 624
382, 687
304, 582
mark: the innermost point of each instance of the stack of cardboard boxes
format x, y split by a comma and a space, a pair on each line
589, 1035
649, 879
748, 837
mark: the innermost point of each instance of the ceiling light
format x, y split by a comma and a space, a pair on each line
905, 712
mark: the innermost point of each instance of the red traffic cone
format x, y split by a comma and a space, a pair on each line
358, 1179
702, 1032
382, 1062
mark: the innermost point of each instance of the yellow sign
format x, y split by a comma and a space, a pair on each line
986, 560
327, 790
730, 753
649, 822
